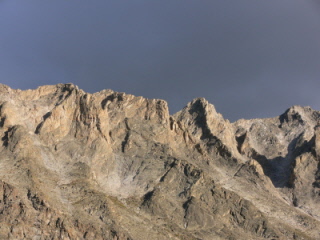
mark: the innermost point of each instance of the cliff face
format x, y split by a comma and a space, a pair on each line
109, 165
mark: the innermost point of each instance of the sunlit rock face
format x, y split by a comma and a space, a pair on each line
109, 165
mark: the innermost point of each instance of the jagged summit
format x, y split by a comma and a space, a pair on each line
300, 115
111, 165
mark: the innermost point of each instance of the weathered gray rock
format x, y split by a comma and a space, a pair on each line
109, 165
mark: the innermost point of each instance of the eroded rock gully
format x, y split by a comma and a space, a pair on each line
109, 165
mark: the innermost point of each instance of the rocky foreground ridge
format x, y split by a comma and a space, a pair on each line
108, 165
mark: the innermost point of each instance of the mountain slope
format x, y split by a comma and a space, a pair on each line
109, 165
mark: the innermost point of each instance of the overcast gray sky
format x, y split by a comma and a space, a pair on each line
249, 58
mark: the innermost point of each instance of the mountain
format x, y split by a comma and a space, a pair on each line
109, 165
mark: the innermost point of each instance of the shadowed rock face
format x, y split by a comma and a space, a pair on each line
109, 165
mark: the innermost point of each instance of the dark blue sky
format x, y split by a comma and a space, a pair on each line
249, 58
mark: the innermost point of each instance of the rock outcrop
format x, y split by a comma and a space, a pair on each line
110, 165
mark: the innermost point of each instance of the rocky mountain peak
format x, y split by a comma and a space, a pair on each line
111, 165
297, 115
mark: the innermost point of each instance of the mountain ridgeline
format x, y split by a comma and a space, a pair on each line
109, 165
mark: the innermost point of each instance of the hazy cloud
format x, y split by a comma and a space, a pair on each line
249, 58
